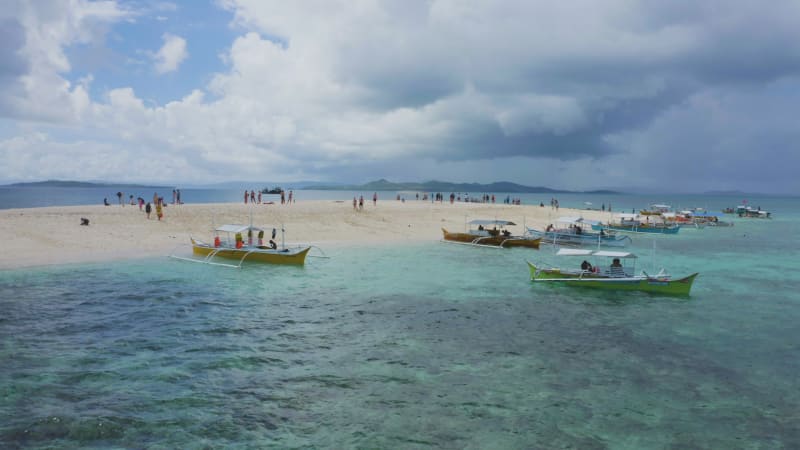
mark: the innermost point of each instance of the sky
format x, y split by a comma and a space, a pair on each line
670, 96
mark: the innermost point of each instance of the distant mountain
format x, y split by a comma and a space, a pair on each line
82, 184
256, 184
443, 186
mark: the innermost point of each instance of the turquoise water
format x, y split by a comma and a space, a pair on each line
423, 346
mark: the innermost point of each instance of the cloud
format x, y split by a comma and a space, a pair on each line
575, 94
33, 38
171, 54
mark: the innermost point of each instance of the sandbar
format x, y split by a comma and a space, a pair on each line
53, 235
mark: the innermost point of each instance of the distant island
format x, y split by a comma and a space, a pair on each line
443, 186
81, 184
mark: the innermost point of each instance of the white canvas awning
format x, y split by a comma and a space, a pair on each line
601, 253
485, 222
235, 228
573, 252
610, 254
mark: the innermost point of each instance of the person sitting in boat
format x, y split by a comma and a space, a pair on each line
578, 230
549, 227
586, 266
602, 233
616, 268
272, 244
480, 227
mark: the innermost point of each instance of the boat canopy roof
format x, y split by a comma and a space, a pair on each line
660, 206
585, 252
234, 228
576, 220
501, 223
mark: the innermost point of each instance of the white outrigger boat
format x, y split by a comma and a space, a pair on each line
577, 231
615, 276
245, 243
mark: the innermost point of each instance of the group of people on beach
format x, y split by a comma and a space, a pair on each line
158, 203
255, 198
358, 202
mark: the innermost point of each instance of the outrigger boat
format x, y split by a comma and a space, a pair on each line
245, 243
578, 232
631, 223
614, 276
498, 237
656, 210
756, 213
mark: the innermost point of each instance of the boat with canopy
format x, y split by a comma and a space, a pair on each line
619, 275
490, 233
578, 231
632, 223
246, 243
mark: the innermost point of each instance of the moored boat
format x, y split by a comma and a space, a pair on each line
480, 234
655, 210
245, 243
754, 213
613, 276
577, 231
631, 223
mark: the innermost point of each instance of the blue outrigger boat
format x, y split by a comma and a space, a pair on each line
577, 231
631, 223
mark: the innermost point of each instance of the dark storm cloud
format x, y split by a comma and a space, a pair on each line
12, 64
653, 59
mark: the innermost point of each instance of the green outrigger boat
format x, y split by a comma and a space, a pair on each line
613, 276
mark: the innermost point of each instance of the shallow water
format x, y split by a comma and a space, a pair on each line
424, 346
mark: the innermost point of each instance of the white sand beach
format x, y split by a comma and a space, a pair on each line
53, 235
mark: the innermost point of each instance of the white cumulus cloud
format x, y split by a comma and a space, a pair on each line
171, 54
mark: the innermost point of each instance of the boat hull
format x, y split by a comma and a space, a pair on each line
656, 285
638, 229
492, 241
252, 254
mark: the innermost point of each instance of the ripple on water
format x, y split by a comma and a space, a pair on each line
456, 349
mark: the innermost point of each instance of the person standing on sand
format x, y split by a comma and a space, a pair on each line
174, 197
361, 203
148, 209
283, 198
252, 196
119, 197
291, 194
179, 197
375, 199
159, 211
245, 197
355, 204
259, 197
